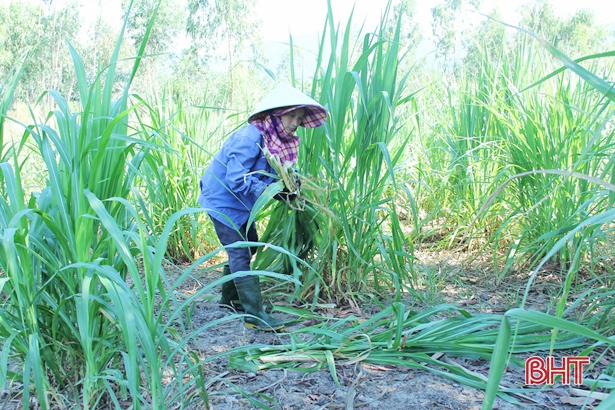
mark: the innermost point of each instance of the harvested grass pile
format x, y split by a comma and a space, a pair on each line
296, 224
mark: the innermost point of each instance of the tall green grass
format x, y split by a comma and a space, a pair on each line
88, 323
537, 140
519, 113
590, 205
565, 132
7, 90
90, 313
185, 139
352, 159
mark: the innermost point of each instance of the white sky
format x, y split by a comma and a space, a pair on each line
300, 17
303, 17
304, 20
283, 16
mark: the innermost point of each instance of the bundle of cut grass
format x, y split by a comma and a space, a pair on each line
409, 339
296, 224
285, 172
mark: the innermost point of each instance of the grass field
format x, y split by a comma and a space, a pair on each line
99, 196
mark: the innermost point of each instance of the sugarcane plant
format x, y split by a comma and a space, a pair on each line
402, 337
351, 164
80, 280
295, 223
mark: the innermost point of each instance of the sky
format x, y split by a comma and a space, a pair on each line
304, 20
300, 17
280, 17
283, 17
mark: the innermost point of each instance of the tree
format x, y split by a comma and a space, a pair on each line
445, 26
214, 23
43, 30
187, 82
581, 34
539, 16
97, 47
410, 31
576, 36
169, 17
486, 41
168, 23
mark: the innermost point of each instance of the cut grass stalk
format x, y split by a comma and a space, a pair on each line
411, 340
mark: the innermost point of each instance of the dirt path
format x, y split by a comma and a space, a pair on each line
361, 385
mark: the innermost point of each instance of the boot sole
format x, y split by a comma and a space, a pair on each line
264, 329
231, 305
233, 308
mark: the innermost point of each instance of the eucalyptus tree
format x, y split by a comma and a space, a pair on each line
43, 30
488, 40
445, 27
222, 28
163, 34
410, 32
97, 46
170, 15
577, 35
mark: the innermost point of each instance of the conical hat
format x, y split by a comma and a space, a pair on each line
286, 96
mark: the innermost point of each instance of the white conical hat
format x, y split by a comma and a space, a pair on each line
286, 96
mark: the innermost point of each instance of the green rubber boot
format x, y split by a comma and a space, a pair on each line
249, 291
229, 292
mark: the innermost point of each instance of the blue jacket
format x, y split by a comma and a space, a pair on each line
232, 184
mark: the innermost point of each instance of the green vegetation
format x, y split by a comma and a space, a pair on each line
506, 152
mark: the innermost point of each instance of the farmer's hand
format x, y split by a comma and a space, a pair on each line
285, 195
297, 181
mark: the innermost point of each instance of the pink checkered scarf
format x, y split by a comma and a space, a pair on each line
284, 146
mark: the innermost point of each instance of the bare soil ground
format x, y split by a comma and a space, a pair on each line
371, 386
448, 278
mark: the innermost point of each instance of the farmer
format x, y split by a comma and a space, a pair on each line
237, 176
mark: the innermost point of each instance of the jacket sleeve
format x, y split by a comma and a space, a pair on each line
242, 154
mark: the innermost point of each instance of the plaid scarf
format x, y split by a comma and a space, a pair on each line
280, 144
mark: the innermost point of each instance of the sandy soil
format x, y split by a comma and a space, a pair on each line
362, 385
365, 385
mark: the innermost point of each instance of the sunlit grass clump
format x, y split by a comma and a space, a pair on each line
515, 160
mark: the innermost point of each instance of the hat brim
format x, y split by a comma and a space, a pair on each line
286, 96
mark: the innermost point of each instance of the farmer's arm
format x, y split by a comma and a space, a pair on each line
242, 155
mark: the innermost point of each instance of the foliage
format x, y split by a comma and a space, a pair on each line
578, 35
488, 41
7, 91
215, 23
511, 153
582, 234
353, 157
400, 337
445, 26
505, 340
43, 32
69, 315
211, 22
491, 131
184, 140
404, 12
169, 20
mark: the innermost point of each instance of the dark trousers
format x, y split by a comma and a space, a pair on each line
238, 258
